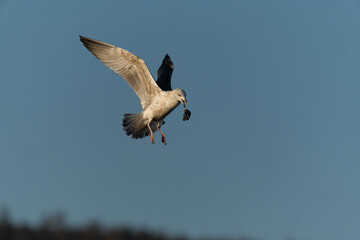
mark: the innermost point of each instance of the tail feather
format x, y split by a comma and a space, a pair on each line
135, 125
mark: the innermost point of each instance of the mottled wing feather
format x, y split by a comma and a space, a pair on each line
164, 74
132, 68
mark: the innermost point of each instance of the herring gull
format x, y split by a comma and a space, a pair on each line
157, 98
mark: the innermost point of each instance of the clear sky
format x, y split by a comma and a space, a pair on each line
272, 148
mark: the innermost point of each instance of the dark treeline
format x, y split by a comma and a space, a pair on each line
54, 227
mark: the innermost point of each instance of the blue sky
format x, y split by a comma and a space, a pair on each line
272, 146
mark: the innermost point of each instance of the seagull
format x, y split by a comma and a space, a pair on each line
157, 98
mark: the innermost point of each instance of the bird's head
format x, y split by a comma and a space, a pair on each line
181, 96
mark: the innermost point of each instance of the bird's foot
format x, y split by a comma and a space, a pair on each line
163, 139
152, 138
152, 134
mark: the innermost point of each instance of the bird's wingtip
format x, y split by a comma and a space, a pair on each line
82, 38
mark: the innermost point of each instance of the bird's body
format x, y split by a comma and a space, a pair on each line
157, 98
162, 105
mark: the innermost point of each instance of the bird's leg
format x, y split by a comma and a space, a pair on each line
152, 134
163, 138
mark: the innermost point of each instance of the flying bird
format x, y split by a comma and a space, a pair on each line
157, 98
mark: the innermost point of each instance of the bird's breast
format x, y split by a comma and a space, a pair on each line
160, 108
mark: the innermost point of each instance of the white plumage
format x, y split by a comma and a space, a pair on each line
157, 98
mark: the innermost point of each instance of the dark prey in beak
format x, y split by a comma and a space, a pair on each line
187, 114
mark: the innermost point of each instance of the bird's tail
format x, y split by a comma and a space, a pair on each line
134, 125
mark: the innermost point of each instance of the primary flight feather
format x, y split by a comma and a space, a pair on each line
157, 98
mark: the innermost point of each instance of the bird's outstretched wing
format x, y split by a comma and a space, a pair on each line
164, 74
132, 68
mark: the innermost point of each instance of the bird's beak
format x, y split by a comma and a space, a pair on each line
184, 101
